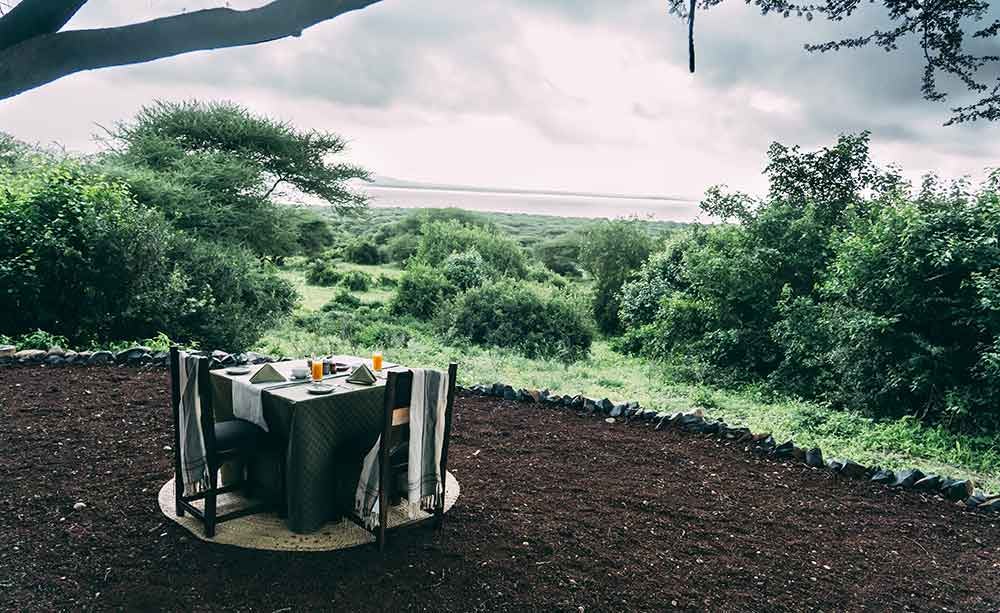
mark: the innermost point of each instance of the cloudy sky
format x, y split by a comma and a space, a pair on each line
586, 95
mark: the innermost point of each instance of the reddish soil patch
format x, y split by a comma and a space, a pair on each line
557, 512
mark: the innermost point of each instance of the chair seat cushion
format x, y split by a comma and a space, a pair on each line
237, 434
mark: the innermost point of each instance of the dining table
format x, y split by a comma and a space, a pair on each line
319, 440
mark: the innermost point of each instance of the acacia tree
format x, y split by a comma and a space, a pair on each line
35, 49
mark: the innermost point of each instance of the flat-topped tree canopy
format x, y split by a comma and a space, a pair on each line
955, 36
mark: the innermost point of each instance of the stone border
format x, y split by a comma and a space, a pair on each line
133, 356
959, 491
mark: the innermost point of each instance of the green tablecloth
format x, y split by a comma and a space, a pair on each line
324, 439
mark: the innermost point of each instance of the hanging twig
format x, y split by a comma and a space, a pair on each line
691, 37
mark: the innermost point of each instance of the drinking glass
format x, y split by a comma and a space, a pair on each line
317, 370
377, 360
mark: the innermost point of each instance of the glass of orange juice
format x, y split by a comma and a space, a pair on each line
377, 360
317, 369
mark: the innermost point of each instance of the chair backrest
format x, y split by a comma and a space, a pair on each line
396, 418
203, 388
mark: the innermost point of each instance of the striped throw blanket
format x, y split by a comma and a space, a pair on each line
194, 468
425, 483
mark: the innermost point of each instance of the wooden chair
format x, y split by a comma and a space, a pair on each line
394, 447
225, 441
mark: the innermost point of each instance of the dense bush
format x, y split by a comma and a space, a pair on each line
442, 239
356, 280
323, 272
560, 255
79, 258
402, 247
362, 251
467, 270
422, 290
610, 251
512, 316
841, 286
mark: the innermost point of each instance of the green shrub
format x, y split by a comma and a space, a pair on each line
41, 340
610, 251
362, 251
560, 255
511, 316
356, 281
466, 270
345, 299
442, 239
402, 247
386, 281
422, 290
80, 259
381, 335
323, 273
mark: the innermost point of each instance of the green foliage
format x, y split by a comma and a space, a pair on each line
356, 280
343, 298
440, 239
313, 233
560, 255
40, 340
213, 169
509, 315
610, 251
841, 286
323, 272
422, 290
362, 251
467, 270
402, 247
79, 258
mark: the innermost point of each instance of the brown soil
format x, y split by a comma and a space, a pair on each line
557, 513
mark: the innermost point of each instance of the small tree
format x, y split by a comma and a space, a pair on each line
610, 251
215, 168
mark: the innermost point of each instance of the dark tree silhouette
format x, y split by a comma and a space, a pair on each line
939, 27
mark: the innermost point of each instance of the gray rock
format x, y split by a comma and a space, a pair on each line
509, 393
930, 483
30, 355
605, 405
975, 500
883, 476
100, 357
79, 506
55, 360
617, 410
70, 356
906, 478
132, 353
7, 351
498, 389
852, 470
57, 350
708, 427
956, 490
814, 458
662, 423
784, 450
834, 465
992, 504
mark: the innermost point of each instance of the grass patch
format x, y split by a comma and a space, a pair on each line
901, 443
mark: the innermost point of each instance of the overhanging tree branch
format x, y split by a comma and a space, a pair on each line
44, 58
32, 18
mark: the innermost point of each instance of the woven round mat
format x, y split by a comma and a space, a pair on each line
268, 531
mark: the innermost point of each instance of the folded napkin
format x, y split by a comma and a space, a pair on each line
424, 481
267, 374
363, 375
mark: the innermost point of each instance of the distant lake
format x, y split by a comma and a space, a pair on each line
560, 205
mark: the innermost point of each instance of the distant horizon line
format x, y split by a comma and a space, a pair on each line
391, 182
